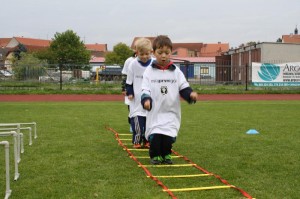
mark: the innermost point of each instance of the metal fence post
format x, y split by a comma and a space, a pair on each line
246, 77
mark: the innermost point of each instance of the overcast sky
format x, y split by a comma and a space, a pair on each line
113, 21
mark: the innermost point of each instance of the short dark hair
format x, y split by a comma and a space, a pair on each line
161, 41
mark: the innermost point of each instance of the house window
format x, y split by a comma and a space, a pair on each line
204, 70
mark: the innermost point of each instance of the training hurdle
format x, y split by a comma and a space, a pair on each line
14, 134
22, 124
21, 128
17, 126
7, 189
34, 126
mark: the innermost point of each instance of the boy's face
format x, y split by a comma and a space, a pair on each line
163, 55
144, 55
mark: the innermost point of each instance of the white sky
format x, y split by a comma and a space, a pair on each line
113, 21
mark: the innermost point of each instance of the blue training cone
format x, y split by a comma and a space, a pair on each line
252, 132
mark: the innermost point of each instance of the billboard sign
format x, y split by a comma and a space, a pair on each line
285, 74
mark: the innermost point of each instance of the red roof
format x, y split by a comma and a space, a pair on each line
195, 49
190, 46
194, 59
33, 42
212, 50
4, 41
291, 39
97, 59
96, 47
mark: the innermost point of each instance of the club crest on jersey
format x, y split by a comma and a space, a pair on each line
164, 90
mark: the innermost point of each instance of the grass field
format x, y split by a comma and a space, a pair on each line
74, 155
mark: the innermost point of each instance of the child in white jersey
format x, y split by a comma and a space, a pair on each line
124, 77
163, 84
133, 90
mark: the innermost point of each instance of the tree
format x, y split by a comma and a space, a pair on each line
251, 43
68, 52
28, 67
119, 54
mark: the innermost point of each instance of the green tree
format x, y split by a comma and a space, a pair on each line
119, 54
69, 52
28, 67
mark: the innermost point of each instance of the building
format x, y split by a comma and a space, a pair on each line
11, 47
196, 60
235, 65
194, 49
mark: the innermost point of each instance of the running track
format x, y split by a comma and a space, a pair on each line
204, 97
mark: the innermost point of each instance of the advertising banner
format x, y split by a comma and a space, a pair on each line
285, 74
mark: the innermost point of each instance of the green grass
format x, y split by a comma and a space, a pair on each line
74, 155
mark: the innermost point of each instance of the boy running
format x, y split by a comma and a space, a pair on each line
163, 84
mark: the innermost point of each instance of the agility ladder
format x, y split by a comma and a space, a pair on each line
177, 155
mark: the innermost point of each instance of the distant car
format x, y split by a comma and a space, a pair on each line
5, 73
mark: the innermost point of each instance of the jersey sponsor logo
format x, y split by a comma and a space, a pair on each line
172, 81
139, 76
164, 90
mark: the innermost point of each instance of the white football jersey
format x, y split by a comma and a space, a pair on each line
135, 77
163, 87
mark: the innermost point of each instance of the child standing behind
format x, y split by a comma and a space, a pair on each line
133, 90
163, 84
124, 77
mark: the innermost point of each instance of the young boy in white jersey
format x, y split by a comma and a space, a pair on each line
124, 77
163, 85
133, 90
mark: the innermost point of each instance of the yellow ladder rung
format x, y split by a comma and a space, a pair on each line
127, 143
125, 134
168, 165
199, 188
182, 176
146, 157
124, 139
136, 149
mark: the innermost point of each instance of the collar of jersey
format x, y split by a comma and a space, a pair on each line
145, 64
170, 66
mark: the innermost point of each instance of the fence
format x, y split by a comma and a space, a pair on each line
204, 74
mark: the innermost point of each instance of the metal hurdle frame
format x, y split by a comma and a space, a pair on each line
21, 128
24, 123
18, 126
15, 135
7, 190
34, 125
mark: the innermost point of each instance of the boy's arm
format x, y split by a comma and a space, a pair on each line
129, 90
129, 83
146, 101
188, 95
124, 83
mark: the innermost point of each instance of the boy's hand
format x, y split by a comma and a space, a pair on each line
130, 97
194, 96
147, 105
